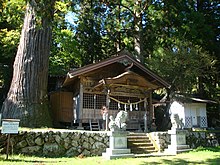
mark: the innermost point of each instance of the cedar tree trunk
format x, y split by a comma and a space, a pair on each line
27, 97
138, 36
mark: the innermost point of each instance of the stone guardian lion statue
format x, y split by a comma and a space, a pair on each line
119, 123
177, 123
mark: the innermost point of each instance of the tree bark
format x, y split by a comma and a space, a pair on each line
138, 36
27, 97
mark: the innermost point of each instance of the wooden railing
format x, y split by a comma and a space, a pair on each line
135, 118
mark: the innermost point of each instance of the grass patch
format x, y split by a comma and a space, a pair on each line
209, 149
201, 155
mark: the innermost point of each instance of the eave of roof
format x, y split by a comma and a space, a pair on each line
190, 99
91, 67
203, 100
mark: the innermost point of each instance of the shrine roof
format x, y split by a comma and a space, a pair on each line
121, 63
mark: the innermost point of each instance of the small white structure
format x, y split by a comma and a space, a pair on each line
192, 113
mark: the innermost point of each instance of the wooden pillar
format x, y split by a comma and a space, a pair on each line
153, 126
94, 114
107, 98
80, 106
151, 113
107, 105
145, 115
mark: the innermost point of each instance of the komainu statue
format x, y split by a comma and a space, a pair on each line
119, 123
177, 123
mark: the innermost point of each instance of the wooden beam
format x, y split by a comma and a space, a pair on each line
130, 86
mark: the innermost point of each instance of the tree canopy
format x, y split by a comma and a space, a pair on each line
168, 36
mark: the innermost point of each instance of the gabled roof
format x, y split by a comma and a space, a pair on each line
72, 75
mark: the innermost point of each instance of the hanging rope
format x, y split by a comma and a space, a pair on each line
121, 102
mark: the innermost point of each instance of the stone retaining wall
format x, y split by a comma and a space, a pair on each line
193, 138
203, 138
86, 143
57, 143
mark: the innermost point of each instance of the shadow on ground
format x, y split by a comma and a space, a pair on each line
182, 162
29, 161
179, 161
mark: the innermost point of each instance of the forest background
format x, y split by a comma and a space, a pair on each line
177, 39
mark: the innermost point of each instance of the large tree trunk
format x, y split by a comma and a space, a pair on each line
27, 97
138, 36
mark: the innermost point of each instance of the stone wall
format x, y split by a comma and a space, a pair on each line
202, 138
53, 143
193, 138
57, 143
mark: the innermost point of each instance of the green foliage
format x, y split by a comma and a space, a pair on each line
11, 18
207, 149
11, 14
90, 31
65, 55
9, 43
181, 67
174, 35
181, 33
64, 52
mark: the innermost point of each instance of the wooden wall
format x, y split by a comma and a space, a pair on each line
61, 106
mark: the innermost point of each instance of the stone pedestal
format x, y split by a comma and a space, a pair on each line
117, 146
178, 142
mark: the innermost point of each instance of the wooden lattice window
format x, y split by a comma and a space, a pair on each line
96, 101
93, 101
88, 101
100, 101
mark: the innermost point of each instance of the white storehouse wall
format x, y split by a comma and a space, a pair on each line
192, 114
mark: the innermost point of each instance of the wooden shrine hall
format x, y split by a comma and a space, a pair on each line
119, 82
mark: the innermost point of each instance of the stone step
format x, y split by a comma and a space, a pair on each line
137, 136
139, 140
109, 157
177, 149
140, 143
142, 148
142, 151
146, 145
182, 147
184, 150
118, 151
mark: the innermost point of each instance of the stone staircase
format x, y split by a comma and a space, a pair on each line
140, 143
